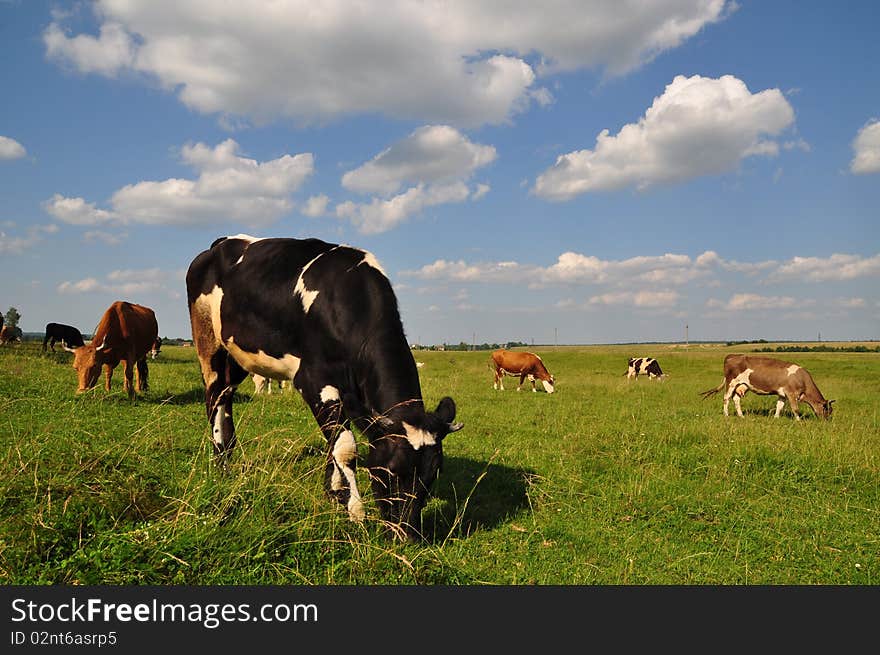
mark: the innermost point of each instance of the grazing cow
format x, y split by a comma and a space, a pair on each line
68, 335
126, 333
324, 316
644, 366
262, 384
767, 376
522, 364
9, 334
156, 348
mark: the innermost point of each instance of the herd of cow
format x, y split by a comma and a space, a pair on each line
323, 318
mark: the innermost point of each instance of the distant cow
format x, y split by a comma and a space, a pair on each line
522, 364
338, 336
68, 335
125, 334
156, 348
644, 366
263, 384
767, 376
9, 334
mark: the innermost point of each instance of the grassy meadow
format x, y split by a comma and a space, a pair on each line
608, 481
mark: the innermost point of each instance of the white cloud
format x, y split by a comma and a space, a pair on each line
11, 149
15, 245
107, 54
435, 159
432, 154
104, 237
853, 303
76, 211
229, 188
699, 126
316, 206
823, 269
457, 62
382, 215
866, 147
643, 299
126, 282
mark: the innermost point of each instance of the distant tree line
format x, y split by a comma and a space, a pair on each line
470, 346
819, 349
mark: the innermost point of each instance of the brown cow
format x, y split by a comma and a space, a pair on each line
524, 364
9, 334
767, 376
126, 333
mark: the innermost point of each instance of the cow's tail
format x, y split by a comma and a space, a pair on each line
712, 392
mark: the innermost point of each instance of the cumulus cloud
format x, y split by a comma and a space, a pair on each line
431, 154
866, 147
382, 215
646, 299
126, 282
316, 206
699, 126
229, 188
459, 62
753, 301
11, 149
436, 160
17, 244
823, 269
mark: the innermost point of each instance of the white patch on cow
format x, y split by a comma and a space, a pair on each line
246, 237
329, 393
794, 368
418, 437
217, 432
344, 453
370, 260
779, 405
549, 387
239, 260
306, 295
270, 367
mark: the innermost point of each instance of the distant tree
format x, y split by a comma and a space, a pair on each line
12, 317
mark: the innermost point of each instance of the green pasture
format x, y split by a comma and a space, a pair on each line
608, 481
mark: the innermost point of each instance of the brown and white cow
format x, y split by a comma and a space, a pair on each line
263, 384
125, 334
768, 376
522, 364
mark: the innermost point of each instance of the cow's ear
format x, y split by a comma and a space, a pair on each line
446, 410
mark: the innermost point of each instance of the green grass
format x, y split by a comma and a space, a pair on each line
608, 481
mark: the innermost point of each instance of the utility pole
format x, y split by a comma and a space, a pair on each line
556, 336
686, 342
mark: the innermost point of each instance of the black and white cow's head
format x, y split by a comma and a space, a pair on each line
404, 461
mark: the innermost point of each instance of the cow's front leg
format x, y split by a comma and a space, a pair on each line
793, 403
522, 378
222, 375
108, 376
340, 481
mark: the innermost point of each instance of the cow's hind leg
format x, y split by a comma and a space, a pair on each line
143, 375
339, 472
128, 376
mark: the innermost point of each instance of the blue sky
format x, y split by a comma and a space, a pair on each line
570, 172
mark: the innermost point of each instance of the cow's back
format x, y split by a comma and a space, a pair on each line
127, 326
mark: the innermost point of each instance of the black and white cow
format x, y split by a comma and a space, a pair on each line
644, 366
69, 336
325, 317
